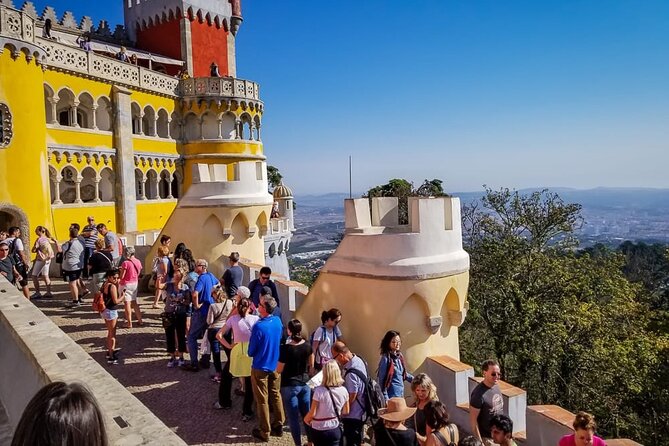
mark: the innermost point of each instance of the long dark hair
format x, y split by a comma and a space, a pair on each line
179, 251
385, 342
63, 414
332, 314
295, 329
187, 255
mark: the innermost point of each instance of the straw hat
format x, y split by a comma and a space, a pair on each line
397, 410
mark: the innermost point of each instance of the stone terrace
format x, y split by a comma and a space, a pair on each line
182, 400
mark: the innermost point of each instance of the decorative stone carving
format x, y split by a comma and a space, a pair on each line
5, 126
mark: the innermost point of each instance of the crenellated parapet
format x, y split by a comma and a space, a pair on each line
376, 245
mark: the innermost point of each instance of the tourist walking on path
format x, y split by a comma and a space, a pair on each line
239, 325
100, 262
43, 255
328, 404
202, 298
438, 429
130, 272
264, 349
296, 358
325, 336
216, 317
177, 307
392, 368
21, 260
424, 391
355, 378
73, 264
485, 401
90, 235
111, 298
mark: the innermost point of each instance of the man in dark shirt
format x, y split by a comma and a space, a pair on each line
263, 280
232, 277
485, 402
7, 266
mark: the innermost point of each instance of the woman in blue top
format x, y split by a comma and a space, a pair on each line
392, 369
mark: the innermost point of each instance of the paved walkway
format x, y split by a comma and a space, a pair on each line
182, 400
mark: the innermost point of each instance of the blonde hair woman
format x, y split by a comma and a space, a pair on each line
329, 402
424, 391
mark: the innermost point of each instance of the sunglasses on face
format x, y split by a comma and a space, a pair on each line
495, 374
4, 249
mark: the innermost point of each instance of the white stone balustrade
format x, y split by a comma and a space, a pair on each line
219, 87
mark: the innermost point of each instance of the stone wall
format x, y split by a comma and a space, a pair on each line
36, 352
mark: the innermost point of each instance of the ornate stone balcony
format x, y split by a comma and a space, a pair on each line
221, 89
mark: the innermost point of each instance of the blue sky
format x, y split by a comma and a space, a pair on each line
517, 93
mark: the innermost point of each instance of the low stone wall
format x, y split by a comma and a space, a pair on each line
36, 352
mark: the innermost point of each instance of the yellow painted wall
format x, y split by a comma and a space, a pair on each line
154, 145
153, 214
242, 148
23, 164
370, 307
65, 215
79, 137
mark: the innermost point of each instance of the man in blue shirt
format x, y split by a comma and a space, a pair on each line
266, 382
202, 299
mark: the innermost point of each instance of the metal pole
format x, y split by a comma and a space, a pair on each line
350, 177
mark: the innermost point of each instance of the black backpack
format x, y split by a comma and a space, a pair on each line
372, 396
15, 255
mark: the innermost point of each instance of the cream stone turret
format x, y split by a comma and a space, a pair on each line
277, 241
412, 278
226, 209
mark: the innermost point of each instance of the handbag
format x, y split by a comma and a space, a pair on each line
240, 361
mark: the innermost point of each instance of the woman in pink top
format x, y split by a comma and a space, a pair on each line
584, 432
129, 273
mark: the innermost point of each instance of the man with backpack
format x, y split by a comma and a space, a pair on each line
356, 381
18, 254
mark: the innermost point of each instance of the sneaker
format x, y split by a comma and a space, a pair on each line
216, 378
171, 363
112, 359
277, 431
181, 362
36, 296
219, 406
190, 367
259, 435
48, 296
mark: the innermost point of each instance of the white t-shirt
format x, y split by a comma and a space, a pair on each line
325, 343
325, 410
241, 329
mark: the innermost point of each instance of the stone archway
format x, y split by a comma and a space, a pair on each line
11, 215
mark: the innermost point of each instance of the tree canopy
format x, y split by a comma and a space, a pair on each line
567, 326
403, 189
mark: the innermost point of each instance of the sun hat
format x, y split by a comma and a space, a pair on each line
397, 410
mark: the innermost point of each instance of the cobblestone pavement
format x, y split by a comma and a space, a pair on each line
182, 400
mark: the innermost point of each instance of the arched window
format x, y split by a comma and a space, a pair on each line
149, 121
192, 127
175, 185
87, 185
107, 179
162, 126
256, 130
229, 125
85, 111
48, 106
209, 126
136, 118
151, 185
52, 184
103, 114
68, 186
246, 127
139, 185
175, 128
65, 107
164, 185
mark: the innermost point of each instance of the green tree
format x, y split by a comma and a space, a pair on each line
566, 326
274, 177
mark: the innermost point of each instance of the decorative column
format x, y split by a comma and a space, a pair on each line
54, 110
126, 202
57, 181
169, 127
95, 118
258, 128
253, 127
97, 188
202, 128
157, 187
142, 188
238, 127
73, 114
77, 188
140, 124
220, 128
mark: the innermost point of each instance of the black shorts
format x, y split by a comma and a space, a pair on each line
24, 273
71, 276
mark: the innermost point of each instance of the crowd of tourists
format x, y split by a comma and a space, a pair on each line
313, 384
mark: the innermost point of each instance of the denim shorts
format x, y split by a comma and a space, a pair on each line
109, 315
